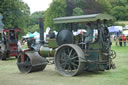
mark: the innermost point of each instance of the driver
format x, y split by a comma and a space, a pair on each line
88, 35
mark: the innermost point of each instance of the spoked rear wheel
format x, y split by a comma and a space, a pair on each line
68, 60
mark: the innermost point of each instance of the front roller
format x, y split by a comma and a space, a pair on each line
31, 61
69, 60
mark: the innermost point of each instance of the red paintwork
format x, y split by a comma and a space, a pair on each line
13, 47
8, 30
23, 55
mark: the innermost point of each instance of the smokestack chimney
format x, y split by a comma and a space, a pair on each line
41, 30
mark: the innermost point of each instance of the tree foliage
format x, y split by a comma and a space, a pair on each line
15, 13
32, 28
105, 6
120, 9
77, 11
57, 9
33, 24
88, 6
34, 18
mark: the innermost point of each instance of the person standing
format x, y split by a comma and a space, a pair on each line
88, 35
124, 39
19, 46
120, 41
116, 39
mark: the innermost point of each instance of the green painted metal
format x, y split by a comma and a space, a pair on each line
52, 43
83, 18
44, 51
47, 52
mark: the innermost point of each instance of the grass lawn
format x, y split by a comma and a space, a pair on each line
122, 22
10, 75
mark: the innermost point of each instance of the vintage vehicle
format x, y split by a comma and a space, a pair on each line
72, 53
9, 43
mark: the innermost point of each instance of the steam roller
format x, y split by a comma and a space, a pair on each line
31, 61
68, 58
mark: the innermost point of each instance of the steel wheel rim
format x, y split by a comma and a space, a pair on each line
67, 61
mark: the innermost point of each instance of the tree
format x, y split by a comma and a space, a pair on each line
15, 12
32, 28
77, 11
35, 16
120, 12
120, 9
33, 24
105, 6
89, 6
60, 8
57, 9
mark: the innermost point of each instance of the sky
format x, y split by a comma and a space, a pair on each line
38, 5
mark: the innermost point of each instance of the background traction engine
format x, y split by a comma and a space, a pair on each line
70, 54
8, 45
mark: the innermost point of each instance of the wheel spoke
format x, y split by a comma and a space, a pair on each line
64, 53
74, 54
63, 56
74, 67
68, 50
64, 65
70, 53
74, 57
69, 68
74, 64
76, 60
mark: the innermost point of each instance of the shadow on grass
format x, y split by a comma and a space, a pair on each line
12, 58
89, 74
9, 59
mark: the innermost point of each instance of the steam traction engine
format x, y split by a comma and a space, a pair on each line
8, 44
72, 54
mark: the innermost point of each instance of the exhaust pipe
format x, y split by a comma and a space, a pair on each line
41, 30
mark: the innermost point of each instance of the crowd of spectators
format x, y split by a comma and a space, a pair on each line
121, 40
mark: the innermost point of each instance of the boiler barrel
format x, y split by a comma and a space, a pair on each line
47, 52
